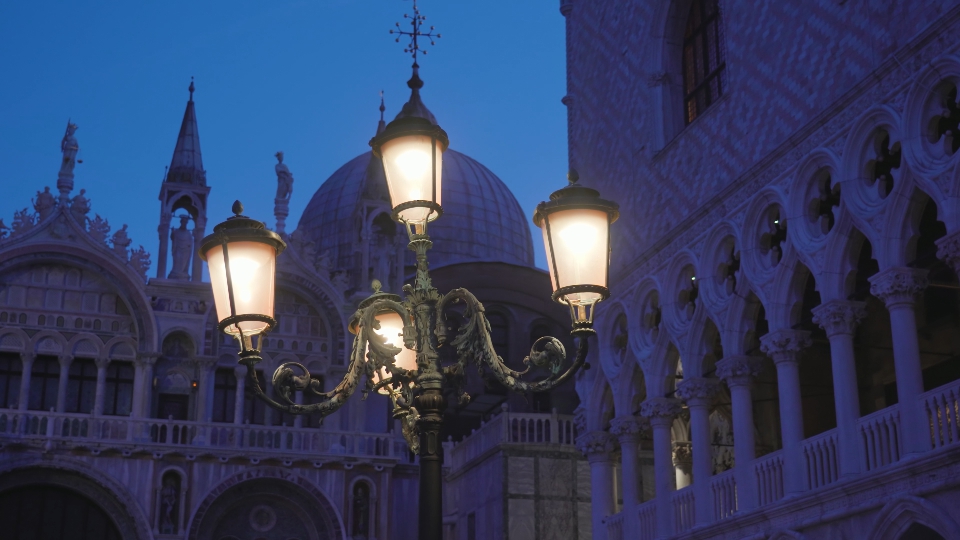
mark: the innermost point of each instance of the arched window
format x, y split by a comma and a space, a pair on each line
703, 58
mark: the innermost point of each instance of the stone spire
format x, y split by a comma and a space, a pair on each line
381, 125
184, 188
186, 167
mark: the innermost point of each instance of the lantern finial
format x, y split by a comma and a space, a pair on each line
376, 286
237, 207
573, 176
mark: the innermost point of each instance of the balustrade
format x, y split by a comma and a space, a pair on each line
724, 489
942, 407
647, 516
685, 513
880, 434
512, 428
769, 472
614, 525
820, 457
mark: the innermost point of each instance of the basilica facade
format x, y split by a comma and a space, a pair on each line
124, 413
780, 357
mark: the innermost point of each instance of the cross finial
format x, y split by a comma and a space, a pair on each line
382, 108
191, 88
416, 31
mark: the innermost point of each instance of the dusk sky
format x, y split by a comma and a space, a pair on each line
299, 76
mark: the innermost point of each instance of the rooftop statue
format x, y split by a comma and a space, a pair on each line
79, 208
284, 179
44, 203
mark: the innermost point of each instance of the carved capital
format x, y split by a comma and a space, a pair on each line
147, 358
898, 286
698, 391
27, 358
785, 345
839, 317
948, 250
102, 363
628, 428
580, 419
65, 360
660, 410
683, 455
739, 370
597, 445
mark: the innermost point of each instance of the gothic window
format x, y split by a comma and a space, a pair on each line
254, 410
224, 395
361, 511
310, 398
11, 369
168, 517
947, 125
81, 386
884, 164
43, 383
118, 396
703, 58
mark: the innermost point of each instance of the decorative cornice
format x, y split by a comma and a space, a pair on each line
661, 410
597, 445
739, 370
839, 317
898, 286
629, 428
698, 391
785, 345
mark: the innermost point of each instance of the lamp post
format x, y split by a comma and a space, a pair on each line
396, 339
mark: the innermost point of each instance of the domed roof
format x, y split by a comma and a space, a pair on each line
481, 221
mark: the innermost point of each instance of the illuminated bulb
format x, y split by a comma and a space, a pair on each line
242, 273
579, 236
414, 164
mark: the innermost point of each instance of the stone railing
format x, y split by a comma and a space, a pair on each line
647, 514
942, 406
820, 457
880, 436
511, 428
684, 511
192, 437
724, 489
769, 472
614, 525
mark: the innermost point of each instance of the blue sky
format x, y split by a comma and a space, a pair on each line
298, 76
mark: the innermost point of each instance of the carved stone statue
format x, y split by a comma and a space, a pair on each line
140, 261
3, 230
121, 241
79, 208
99, 228
44, 203
182, 241
69, 147
22, 222
284, 179
169, 501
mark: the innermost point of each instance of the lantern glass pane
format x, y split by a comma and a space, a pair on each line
253, 271
409, 170
579, 243
391, 328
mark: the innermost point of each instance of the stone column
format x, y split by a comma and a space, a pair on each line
65, 360
206, 367
199, 226
102, 364
599, 447
899, 288
142, 384
661, 412
699, 394
27, 358
628, 430
739, 372
839, 319
784, 347
164, 230
241, 373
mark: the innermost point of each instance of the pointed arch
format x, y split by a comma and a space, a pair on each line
898, 515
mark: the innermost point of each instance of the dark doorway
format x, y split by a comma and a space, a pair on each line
920, 532
40, 512
173, 406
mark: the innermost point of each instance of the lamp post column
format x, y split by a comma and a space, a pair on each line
738, 372
839, 319
784, 347
599, 446
628, 430
661, 412
699, 394
899, 289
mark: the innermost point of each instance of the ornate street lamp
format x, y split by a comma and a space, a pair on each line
396, 340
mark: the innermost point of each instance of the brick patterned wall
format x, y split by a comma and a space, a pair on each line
791, 67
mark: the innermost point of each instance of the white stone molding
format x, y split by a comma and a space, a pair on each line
839, 316
785, 345
698, 391
896, 286
739, 370
948, 250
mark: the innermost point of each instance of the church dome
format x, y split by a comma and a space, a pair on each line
481, 221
